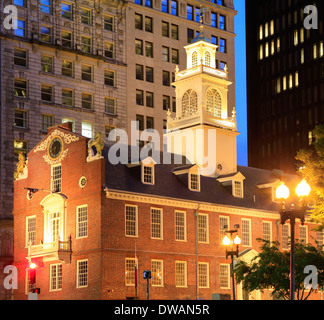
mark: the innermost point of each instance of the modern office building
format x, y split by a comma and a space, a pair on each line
285, 80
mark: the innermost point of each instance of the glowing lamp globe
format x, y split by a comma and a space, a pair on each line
237, 240
32, 265
303, 189
226, 241
282, 192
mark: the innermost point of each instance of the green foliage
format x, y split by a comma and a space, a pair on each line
311, 164
271, 267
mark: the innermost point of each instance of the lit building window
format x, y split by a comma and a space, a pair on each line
224, 276
157, 273
189, 103
246, 233
82, 273
266, 231
30, 231
214, 103
156, 223
87, 129
194, 182
238, 189
57, 178
180, 226
203, 229
181, 274
203, 275
130, 272
194, 59
261, 32
131, 221
56, 277
207, 59
82, 221
148, 174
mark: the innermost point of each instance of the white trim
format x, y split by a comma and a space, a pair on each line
228, 275
208, 284
270, 224
77, 222
26, 233
207, 231
136, 222
185, 225
77, 273
250, 232
162, 271
185, 275
161, 223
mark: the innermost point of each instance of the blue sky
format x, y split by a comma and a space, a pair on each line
240, 65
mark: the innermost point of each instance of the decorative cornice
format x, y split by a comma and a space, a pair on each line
187, 204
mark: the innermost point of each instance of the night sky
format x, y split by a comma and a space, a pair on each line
240, 65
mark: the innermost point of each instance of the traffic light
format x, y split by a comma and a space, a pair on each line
147, 274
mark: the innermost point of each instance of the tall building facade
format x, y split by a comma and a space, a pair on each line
285, 80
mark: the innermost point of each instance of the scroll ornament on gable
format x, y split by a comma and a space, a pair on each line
22, 168
95, 147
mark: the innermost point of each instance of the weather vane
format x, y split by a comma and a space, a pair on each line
202, 11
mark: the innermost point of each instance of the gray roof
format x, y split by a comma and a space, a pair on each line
167, 184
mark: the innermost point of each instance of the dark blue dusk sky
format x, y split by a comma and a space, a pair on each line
240, 65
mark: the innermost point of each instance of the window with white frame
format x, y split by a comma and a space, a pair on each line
320, 239
87, 129
203, 275
156, 223
82, 273
224, 276
238, 189
82, 221
194, 182
148, 174
55, 226
246, 233
267, 231
30, 231
56, 178
303, 234
129, 271
157, 273
181, 274
180, 226
223, 226
131, 224
56, 277
285, 234
203, 228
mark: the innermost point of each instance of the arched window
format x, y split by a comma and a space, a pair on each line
207, 59
194, 59
214, 103
189, 103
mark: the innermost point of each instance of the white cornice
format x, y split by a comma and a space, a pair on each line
179, 203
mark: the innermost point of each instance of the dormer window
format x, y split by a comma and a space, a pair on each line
238, 189
194, 182
148, 174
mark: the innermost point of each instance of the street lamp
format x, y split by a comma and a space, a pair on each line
282, 193
229, 242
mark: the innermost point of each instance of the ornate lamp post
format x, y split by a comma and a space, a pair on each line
229, 242
282, 193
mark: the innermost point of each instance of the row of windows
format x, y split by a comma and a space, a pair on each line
86, 14
180, 227
67, 67
287, 82
180, 274
56, 276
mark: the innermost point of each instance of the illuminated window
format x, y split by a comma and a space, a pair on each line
180, 226
86, 16
246, 233
203, 228
194, 59
266, 30
296, 79
303, 234
278, 45
284, 83
82, 221
157, 273
30, 231
224, 276
302, 56
131, 225
87, 129
130, 272
272, 47
148, 174
86, 44
261, 32
290, 81
56, 178
238, 189
214, 103
267, 231
207, 58
56, 277
285, 233
261, 52
156, 223
271, 27
82, 273
194, 182
266, 50
315, 51
223, 225
189, 103
302, 35
181, 274
321, 49
21, 88
296, 37
203, 275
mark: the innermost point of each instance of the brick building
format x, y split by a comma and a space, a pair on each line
87, 212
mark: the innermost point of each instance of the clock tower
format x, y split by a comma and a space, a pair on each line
203, 130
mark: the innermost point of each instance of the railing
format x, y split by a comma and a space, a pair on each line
201, 68
48, 248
